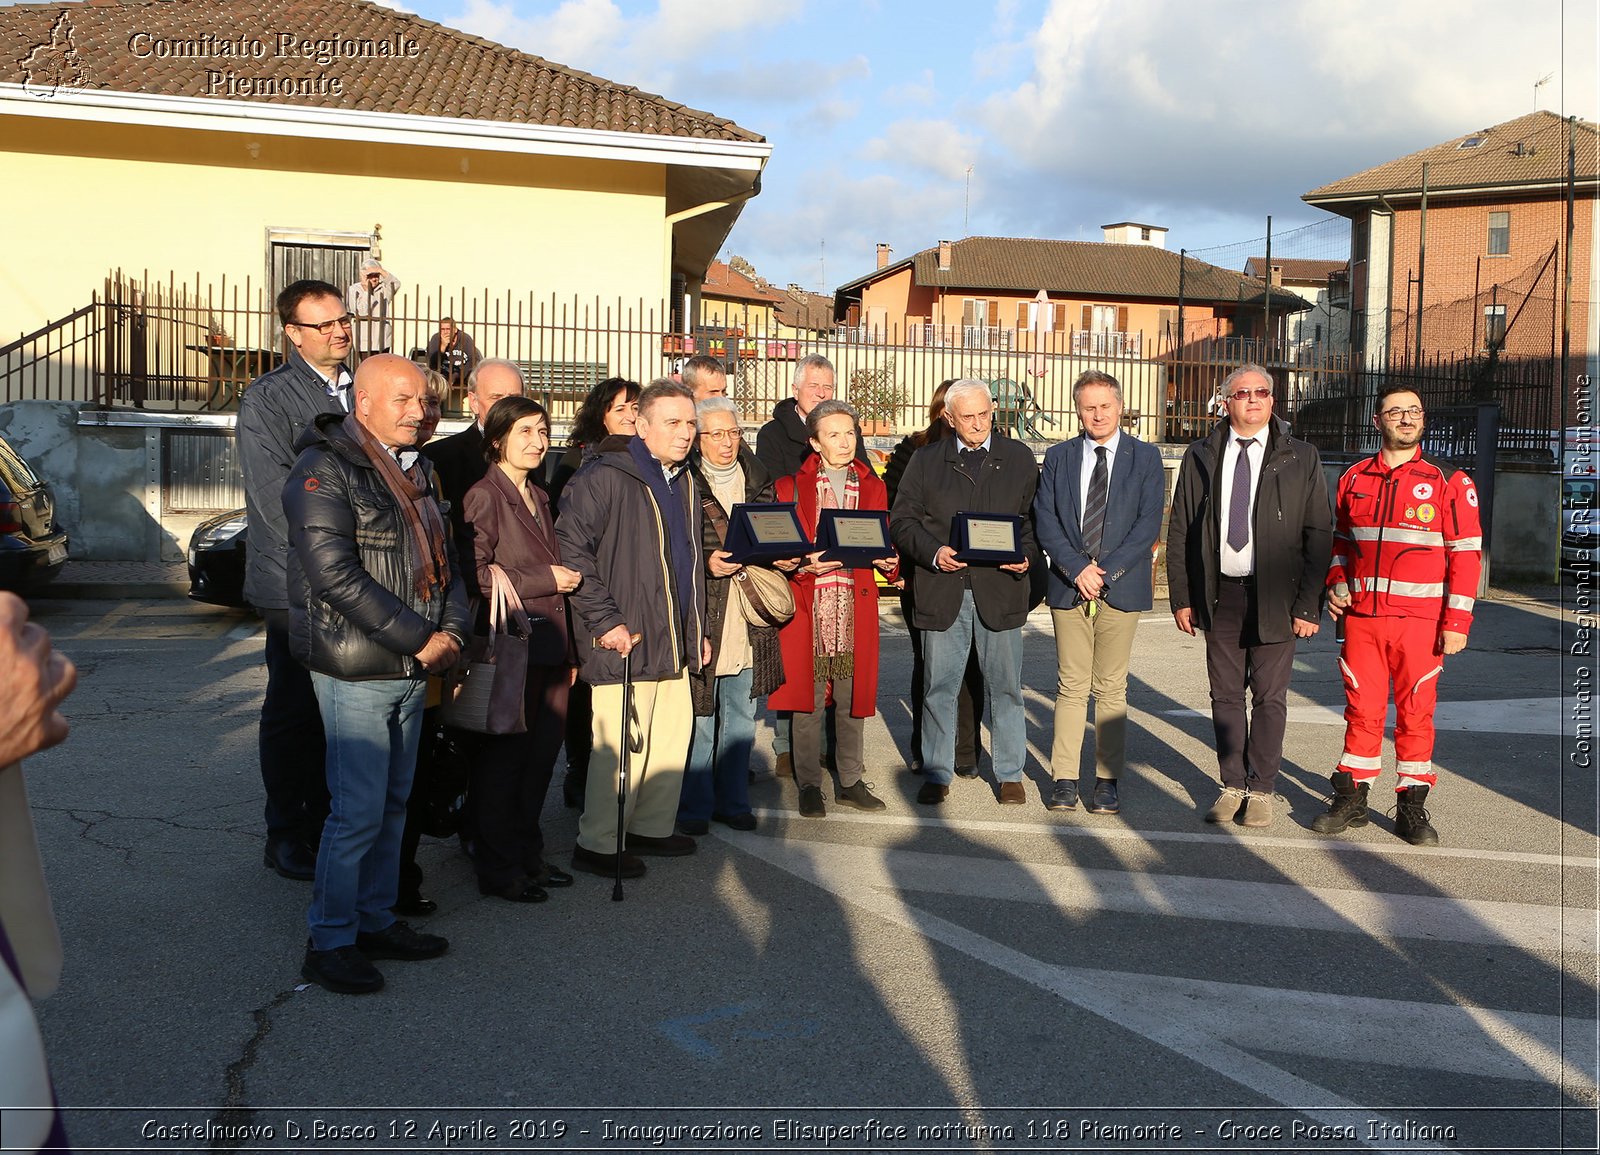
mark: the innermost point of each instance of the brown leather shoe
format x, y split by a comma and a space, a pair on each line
672, 846
1013, 794
605, 865
785, 766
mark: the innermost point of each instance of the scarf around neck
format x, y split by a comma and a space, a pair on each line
418, 509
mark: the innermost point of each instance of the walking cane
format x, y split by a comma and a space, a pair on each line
622, 770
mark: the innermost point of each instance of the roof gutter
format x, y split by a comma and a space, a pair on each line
205, 114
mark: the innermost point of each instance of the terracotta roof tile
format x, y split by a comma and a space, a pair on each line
1078, 268
1531, 149
1296, 268
454, 74
732, 285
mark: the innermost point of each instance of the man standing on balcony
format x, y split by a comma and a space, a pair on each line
371, 299
1247, 551
707, 376
273, 412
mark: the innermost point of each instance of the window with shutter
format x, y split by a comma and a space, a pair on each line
1058, 317
1122, 319
967, 312
1022, 315
1088, 318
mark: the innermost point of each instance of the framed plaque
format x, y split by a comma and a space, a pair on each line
765, 532
856, 537
987, 538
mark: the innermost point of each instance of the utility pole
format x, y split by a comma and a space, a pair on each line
1422, 257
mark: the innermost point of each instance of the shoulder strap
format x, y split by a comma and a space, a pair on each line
714, 514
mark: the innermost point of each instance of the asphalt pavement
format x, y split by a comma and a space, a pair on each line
970, 978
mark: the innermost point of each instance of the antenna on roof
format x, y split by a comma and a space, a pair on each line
1538, 84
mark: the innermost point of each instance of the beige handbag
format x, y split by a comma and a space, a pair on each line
765, 597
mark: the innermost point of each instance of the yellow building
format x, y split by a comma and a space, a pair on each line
223, 141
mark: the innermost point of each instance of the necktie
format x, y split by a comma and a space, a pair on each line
1094, 510
1239, 499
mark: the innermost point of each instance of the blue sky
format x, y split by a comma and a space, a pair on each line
1202, 117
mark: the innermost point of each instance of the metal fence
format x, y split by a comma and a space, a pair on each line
189, 347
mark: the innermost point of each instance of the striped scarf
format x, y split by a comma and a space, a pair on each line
418, 509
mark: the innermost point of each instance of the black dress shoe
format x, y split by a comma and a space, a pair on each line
745, 821
1105, 800
1064, 795
932, 793
672, 846
966, 771
343, 970
399, 941
414, 905
605, 865
550, 876
698, 827
517, 890
292, 859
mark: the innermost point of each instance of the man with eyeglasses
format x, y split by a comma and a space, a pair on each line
273, 412
1408, 552
1248, 542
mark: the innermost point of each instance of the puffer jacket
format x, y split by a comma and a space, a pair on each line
766, 661
354, 612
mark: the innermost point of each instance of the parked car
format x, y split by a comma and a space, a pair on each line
33, 548
216, 560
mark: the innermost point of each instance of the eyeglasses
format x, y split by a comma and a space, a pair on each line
722, 436
325, 327
1260, 393
1412, 411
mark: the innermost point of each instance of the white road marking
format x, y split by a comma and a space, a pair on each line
1212, 1023
243, 632
1495, 716
1055, 828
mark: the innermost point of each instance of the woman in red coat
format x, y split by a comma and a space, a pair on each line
833, 638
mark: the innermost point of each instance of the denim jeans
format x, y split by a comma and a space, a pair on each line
717, 777
373, 729
1000, 657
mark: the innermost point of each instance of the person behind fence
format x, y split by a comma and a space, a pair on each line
459, 458
370, 299
831, 643
512, 528
1407, 556
451, 352
34, 681
1097, 514
979, 470
746, 662
273, 412
706, 375
969, 698
630, 526
1248, 541
378, 604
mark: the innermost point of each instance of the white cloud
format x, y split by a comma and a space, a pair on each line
939, 147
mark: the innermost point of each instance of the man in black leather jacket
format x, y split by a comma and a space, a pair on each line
375, 603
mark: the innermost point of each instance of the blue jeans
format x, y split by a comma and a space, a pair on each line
373, 730
717, 777
945, 661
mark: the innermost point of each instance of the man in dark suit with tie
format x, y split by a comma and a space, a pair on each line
1097, 514
1248, 545
979, 470
458, 459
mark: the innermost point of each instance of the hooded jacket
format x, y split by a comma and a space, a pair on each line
612, 532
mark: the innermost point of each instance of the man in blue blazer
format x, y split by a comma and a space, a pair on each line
1097, 515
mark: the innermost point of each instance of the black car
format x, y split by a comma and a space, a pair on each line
216, 560
33, 548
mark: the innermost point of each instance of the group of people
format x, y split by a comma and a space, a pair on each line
372, 553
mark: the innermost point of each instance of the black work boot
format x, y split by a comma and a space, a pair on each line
1411, 820
1347, 808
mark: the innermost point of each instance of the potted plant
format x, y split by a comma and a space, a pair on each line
878, 397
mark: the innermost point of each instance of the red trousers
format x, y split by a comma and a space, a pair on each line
1378, 652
